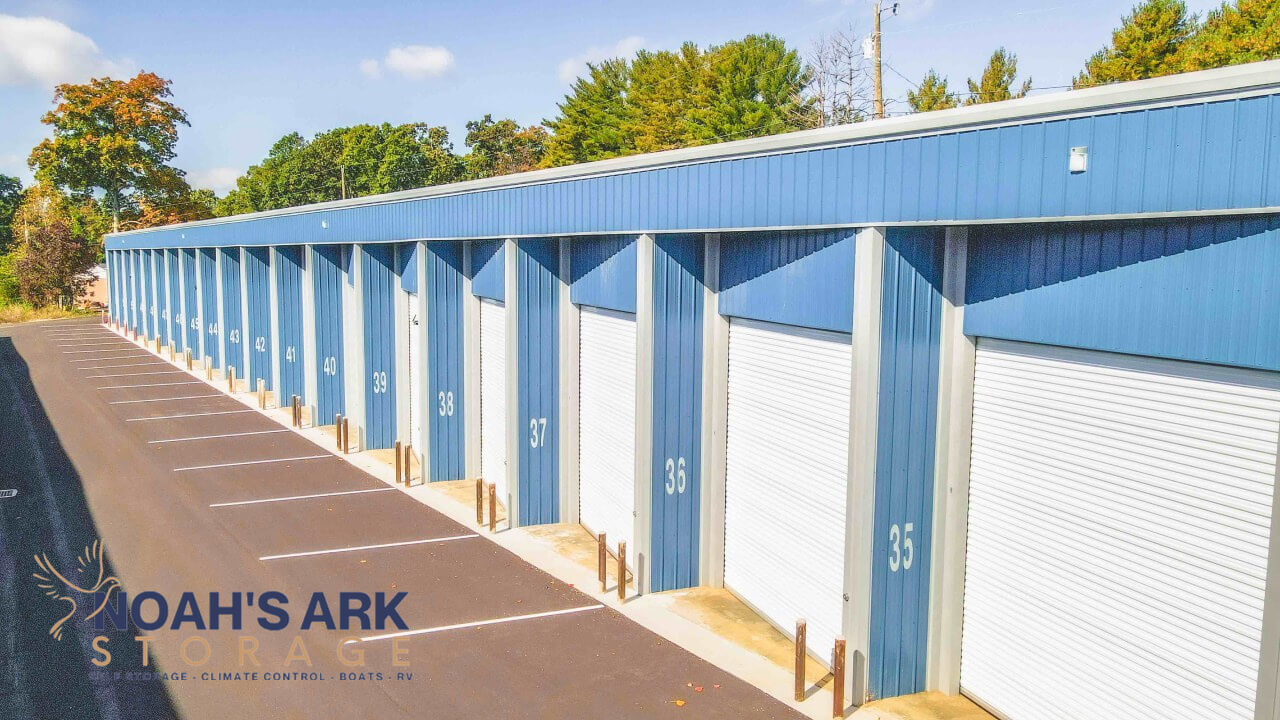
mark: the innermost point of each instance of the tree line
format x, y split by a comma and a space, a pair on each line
108, 161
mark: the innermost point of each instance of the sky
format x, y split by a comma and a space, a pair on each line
248, 72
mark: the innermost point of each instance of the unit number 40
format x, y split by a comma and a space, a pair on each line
901, 550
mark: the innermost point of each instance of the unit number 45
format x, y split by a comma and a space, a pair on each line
901, 550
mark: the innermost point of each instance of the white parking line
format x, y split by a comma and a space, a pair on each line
211, 437
159, 372
180, 397
370, 547
478, 623
254, 462
300, 497
157, 363
123, 349
122, 387
95, 344
188, 415
113, 357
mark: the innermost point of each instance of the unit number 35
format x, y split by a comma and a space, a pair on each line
901, 550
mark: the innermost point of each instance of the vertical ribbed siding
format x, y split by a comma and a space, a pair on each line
159, 272
327, 275
488, 269
257, 274
443, 287
176, 321
604, 272
208, 261
289, 315
677, 409
231, 333
538, 362
190, 292
133, 291
911, 305
780, 276
378, 283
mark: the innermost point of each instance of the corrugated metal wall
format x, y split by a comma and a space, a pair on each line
378, 284
538, 362
677, 410
289, 316
190, 292
776, 276
446, 429
231, 332
208, 261
327, 276
159, 270
603, 272
1182, 289
488, 273
257, 277
176, 320
911, 306
1209, 155
134, 299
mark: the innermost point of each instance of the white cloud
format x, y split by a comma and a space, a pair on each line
371, 68
576, 66
44, 52
218, 179
419, 62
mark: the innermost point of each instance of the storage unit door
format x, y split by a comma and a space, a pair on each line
607, 422
190, 292
133, 289
378, 287
493, 395
416, 360
232, 313
1119, 515
257, 280
289, 317
786, 473
176, 322
209, 305
327, 277
144, 307
159, 269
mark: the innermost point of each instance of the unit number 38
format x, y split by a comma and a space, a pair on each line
901, 550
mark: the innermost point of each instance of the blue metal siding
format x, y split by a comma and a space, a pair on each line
231, 332
134, 300
327, 272
488, 273
257, 278
158, 269
208, 260
677, 409
800, 278
407, 266
538, 362
603, 272
1200, 156
444, 361
190, 291
378, 283
289, 316
911, 303
1200, 290
176, 321
144, 294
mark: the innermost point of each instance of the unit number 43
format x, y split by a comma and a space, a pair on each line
901, 550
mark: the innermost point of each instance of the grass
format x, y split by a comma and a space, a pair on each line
19, 313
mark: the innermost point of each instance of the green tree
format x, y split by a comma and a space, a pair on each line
502, 147
112, 135
1240, 32
1147, 44
933, 94
594, 118
996, 82
10, 196
663, 94
54, 264
752, 87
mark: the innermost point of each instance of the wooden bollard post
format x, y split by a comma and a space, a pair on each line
800, 658
622, 570
493, 508
172, 350
480, 502
231, 378
346, 435
408, 465
208, 367
337, 429
837, 679
187, 352
297, 410
602, 561
399, 462
262, 394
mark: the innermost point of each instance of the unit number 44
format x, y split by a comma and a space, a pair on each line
901, 551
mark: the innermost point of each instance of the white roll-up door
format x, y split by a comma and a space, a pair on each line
416, 364
786, 469
493, 395
1119, 517
607, 422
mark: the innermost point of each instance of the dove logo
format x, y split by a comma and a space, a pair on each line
91, 585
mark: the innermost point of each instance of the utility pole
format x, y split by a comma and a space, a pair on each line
343, 170
877, 79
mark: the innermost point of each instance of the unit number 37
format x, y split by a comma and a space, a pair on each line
901, 550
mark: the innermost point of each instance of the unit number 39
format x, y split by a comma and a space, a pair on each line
901, 550
676, 478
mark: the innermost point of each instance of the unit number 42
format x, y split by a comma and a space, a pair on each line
901, 550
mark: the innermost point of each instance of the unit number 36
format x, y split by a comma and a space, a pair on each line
676, 479
901, 551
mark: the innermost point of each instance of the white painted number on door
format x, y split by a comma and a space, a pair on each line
901, 549
260, 344
446, 404
379, 382
537, 432
330, 366
676, 478
290, 354
234, 335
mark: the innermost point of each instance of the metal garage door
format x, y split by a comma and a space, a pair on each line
327, 277
607, 422
232, 312
257, 280
378, 287
493, 394
289, 318
1119, 510
162, 295
176, 323
190, 300
786, 469
209, 305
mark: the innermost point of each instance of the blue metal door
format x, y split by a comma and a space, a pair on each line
144, 293
327, 278
190, 292
445, 411
257, 279
538, 373
378, 285
231, 332
113, 285
176, 322
209, 304
289, 318
162, 297
132, 257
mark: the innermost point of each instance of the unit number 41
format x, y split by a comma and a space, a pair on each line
901, 550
